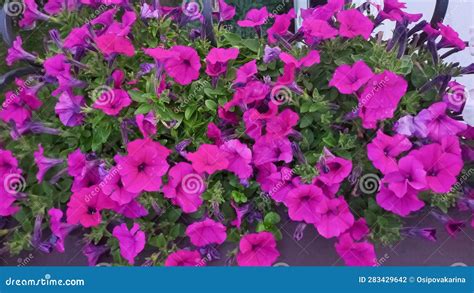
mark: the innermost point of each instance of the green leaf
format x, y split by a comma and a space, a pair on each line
211, 105
271, 218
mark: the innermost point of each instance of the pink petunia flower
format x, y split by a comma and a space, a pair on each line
19, 106
280, 26
184, 258
323, 12
307, 61
131, 210
409, 175
384, 149
246, 72
359, 229
217, 60
349, 79
131, 241
275, 181
69, 109
109, 44
239, 157
85, 206
206, 232
16, 52
254, 17
59, 229
441, 167
31, 14
146, 124
144, 165
184, 68
450, 38
336, 220
78, 37
112, 101
226, 11
112, 186
353, 23
270, 149
8, 163
306, 203
438, 124
334, 169
282, 124
392, 9
401, 205
356, 253
185, 187
257, 249
43, 163
208, 158
7, 200
319, 29
54, 7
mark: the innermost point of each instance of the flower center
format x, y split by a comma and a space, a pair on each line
91, 210
141, 167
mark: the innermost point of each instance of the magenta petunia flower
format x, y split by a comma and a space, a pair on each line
356, 253
240, 212
206, 232
185, 187
59, 229
275, 181
271, 54
450, 38
384, 149
112, 101
226, 11
319, 29
208, 158
112, 186
409, 174
8, 163
7, 200
257, 249
144, 165
217, 60
131, 241
146, 124
19, 107
380, 98
450, 144
184, 68
353, 23
392, 10
43, 163
441, 167
78, 37
76, 162
31, 14
282, 124
336, 220
93, 253
85, 206
69, 109
131, 210
439, 124
333, 170
280, 26
246, 72
306, 203
413, 126
254, 17
307, 61
359, 229
109, 44
323, 12
160, 54
401, 205
184, 258
270, 149
54, 7
239, 157
16, 52
349, 79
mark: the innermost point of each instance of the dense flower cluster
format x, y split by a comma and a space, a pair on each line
124, 150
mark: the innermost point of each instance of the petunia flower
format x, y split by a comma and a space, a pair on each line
19, 107
319, 29
146, 124
184, 258
384, 149
31, 14
323, 12
270, 149
425, 233
144, 165
208, 158
333, 170
349, 79
413, 126
85, 206
441, 167
226, 11
456, 96
401, 205
254, 17
54, 7
184, 67
8, 163
451, 226
131, 210
43, 163
112, 186
306, 61
277, 182
131, 241
184, 187
77, 37
59, 229
257, 249
271, 54
240, 212
7, 201
336, 220
280, 26
450, 38
16, 53
353, 23
355, 253
112, 101
439, 124
409, 175
239, 157
206, 232
217, 60
306, 203
69, 109
359, 229
94, 252
392, 10
246, 72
